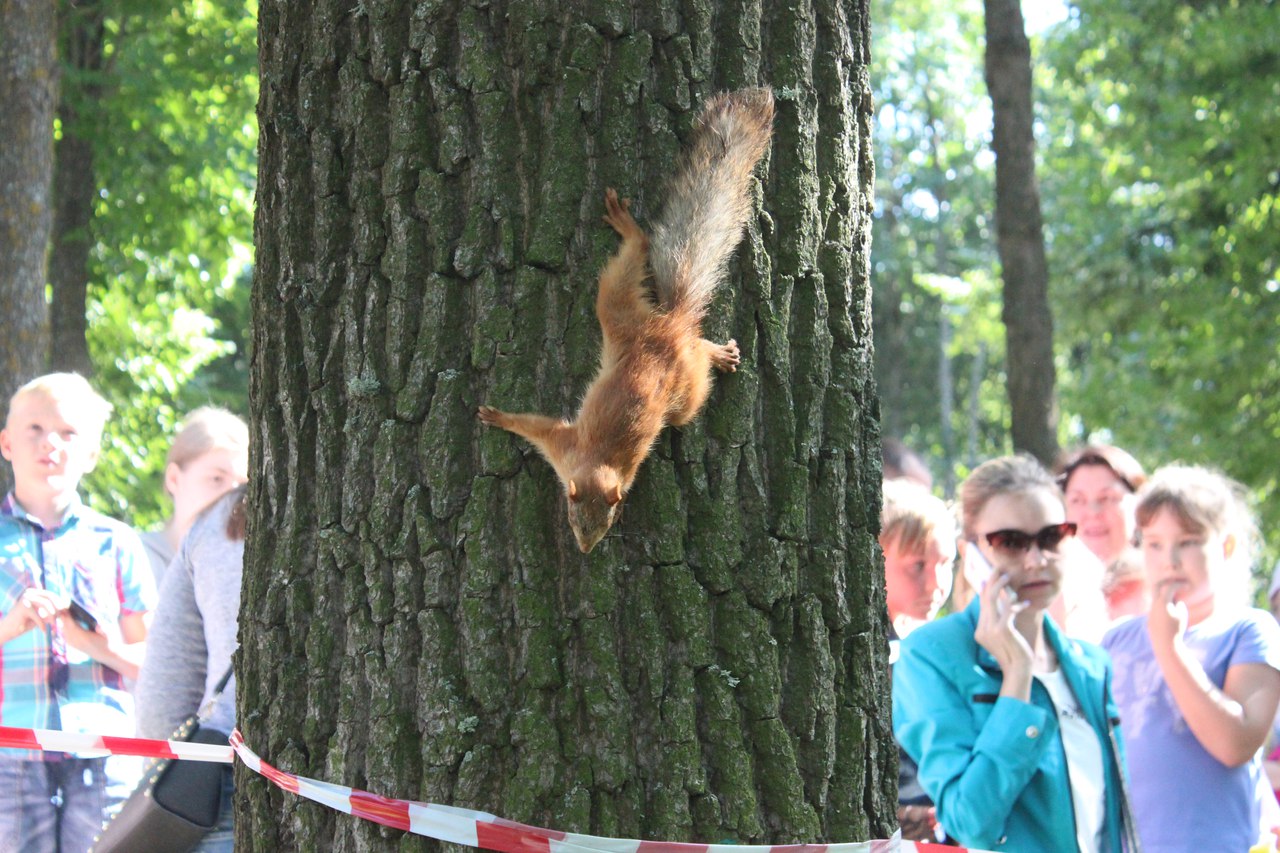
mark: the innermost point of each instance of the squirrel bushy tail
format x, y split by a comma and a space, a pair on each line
708, 201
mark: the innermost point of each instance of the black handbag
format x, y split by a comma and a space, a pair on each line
177, 802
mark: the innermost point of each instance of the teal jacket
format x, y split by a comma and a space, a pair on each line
994, 766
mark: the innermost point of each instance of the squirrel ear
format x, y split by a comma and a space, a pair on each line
614, 495
573, 491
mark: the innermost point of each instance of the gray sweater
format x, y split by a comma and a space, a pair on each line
194, 631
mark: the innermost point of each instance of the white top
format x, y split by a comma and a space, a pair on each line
1084, 761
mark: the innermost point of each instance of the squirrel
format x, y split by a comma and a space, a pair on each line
655, 365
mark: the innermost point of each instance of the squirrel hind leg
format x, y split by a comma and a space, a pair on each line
617, 213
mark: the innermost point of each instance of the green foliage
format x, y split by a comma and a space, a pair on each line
933, 259
1162, 164
175, 139
1159, 183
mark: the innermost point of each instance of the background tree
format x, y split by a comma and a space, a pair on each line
416, 619
28, 93
936, 295
1020, 235
155, 171
83, 37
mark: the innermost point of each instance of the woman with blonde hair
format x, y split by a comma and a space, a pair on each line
1009, 720
208, 458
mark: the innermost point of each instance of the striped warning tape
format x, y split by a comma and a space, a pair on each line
443, 823
481, 829
94, 746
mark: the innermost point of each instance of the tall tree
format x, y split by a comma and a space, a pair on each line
28, 93
934, 236
83, 27
416, 619
1020, 235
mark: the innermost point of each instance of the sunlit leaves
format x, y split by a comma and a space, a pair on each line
174, 132
1178, 354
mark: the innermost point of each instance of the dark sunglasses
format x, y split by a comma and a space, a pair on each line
1019, 542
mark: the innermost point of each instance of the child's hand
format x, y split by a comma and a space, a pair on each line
918, 823
92, 643
1167, 618
35, 608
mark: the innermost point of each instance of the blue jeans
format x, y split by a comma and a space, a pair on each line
52, 806
222, 838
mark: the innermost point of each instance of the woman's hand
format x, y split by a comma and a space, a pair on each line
1166, 618
997, 634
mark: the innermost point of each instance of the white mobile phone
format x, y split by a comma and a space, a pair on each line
977, 571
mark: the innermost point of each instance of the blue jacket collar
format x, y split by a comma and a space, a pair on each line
1079, 668
1062, 645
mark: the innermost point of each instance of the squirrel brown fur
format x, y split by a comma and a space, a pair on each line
655, 365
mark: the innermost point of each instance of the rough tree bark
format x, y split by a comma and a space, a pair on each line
28, 93
1020, 235
74, 190
416, 619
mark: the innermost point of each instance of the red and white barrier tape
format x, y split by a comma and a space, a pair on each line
94, 746
443, 823
481, 829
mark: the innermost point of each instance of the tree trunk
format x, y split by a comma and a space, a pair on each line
28, 92
1020, 236
416, 619
74, 190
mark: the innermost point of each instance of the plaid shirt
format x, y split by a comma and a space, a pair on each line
97, 561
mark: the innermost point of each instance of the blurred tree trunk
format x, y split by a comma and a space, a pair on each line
415, 618
893, 342
28, 93
1020, 235
74, 190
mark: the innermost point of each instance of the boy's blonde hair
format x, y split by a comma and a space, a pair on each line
911, 516
74, 389
204, 429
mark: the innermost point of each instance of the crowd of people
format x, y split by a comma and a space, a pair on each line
104, 630
1101, 682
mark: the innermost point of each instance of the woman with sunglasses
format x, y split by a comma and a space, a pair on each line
1009, 720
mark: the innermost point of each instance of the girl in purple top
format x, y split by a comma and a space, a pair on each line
1197, 677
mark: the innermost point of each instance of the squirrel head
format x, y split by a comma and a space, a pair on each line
594, 500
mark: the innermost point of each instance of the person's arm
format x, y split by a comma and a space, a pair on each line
171, 684
1231, 723
974, 772
122, 651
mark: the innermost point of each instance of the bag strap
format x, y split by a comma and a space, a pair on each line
206, 710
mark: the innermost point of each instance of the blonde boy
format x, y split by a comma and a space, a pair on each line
62, 667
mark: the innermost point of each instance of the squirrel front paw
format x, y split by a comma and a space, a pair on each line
726, 357
489, 416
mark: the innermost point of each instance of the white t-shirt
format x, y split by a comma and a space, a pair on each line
1084, 761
